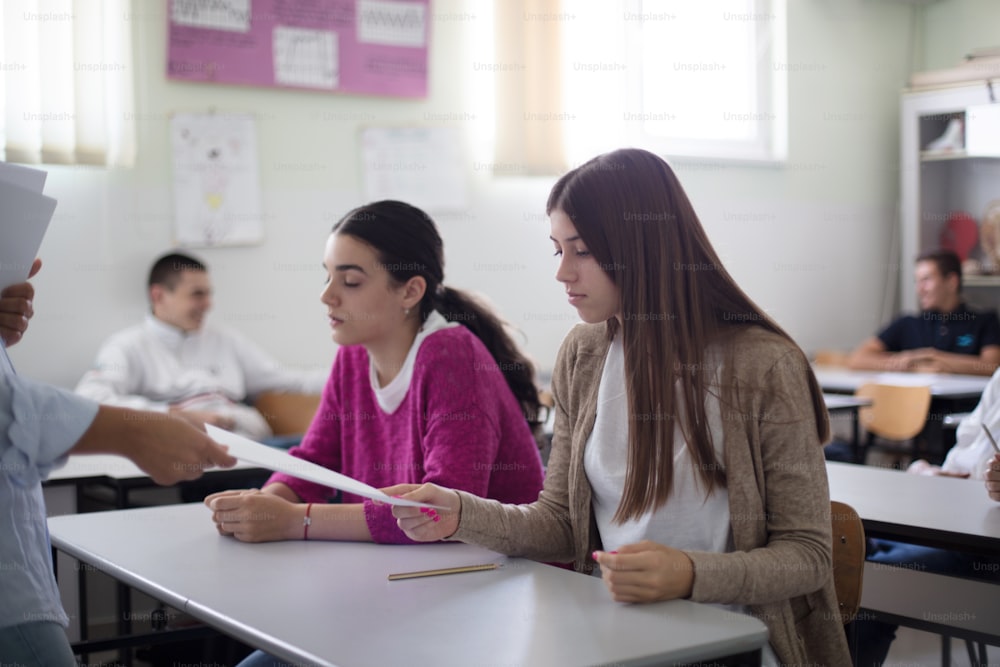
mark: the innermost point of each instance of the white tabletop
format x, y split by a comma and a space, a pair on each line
938, 511
330, 603
943, 385
843, 402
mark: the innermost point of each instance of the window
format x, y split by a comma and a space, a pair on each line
66, 87
685, 78
697, 78
713, 87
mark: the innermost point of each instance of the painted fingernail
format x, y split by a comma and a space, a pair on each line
436, 519
614, 552
595, 554
425, 510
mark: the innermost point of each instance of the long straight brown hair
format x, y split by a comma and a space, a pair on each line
677, 300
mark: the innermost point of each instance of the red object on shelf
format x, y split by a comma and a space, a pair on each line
960, 234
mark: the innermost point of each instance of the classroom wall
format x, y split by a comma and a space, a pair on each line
953, 27
810, 240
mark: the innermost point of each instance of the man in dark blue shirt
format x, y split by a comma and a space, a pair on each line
946, 337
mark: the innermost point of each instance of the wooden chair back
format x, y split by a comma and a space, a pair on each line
287, 413
848, 558
897, 412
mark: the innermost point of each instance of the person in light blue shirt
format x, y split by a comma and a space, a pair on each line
40, 426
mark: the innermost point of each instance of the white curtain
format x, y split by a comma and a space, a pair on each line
67, 82
530, 111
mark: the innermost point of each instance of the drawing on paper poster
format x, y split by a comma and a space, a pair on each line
392, 23
306, 58
216, 189
232, 15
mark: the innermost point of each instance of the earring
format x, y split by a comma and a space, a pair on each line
406, 312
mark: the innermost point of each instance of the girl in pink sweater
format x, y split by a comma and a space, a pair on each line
426, 387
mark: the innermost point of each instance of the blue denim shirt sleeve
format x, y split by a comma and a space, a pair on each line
39, 424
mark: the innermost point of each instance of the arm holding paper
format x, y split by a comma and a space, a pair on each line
39, 426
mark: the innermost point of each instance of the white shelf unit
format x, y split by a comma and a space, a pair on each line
935, 184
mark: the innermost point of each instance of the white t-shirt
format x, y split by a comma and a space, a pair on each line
391, 396
689, 520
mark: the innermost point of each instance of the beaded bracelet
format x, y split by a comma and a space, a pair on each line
306, 522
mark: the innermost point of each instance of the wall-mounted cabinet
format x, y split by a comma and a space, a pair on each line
950, 184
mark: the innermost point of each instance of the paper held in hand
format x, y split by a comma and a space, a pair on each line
280, 461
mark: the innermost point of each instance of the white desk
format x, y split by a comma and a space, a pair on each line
62, 490
943, 385
941, 512
329, 603
937, 511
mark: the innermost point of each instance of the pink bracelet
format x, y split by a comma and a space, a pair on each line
306, 522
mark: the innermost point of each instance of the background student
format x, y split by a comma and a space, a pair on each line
176, 363
687, 458
947, 336
426, 386
39, 426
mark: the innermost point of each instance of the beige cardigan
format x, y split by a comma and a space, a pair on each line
779, 500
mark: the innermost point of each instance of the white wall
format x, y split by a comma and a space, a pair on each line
954, 27
811, 241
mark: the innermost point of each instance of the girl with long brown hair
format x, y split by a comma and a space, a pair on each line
687, 457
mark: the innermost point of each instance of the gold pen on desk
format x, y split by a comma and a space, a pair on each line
993, 441
446, 570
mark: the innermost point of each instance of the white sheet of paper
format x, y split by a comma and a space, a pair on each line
26, 177
278, 460
24, 217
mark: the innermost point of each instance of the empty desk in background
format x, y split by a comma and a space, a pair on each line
943, 512
329, 603
850, 404
950, 393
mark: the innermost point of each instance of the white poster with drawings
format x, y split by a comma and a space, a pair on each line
216, 179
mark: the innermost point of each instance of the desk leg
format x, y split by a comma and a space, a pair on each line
855, 436
124, 592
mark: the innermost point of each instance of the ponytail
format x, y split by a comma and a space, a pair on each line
460, 307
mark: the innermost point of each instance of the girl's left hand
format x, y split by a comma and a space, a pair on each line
253, 516
646, 572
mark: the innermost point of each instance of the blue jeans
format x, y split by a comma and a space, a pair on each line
39, 644
873, 638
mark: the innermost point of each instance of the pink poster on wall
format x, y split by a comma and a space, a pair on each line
376, 47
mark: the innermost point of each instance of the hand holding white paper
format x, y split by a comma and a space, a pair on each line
280, 461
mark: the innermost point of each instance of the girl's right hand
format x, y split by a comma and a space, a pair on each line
424, 524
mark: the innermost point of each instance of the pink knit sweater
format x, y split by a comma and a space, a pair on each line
458, 426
